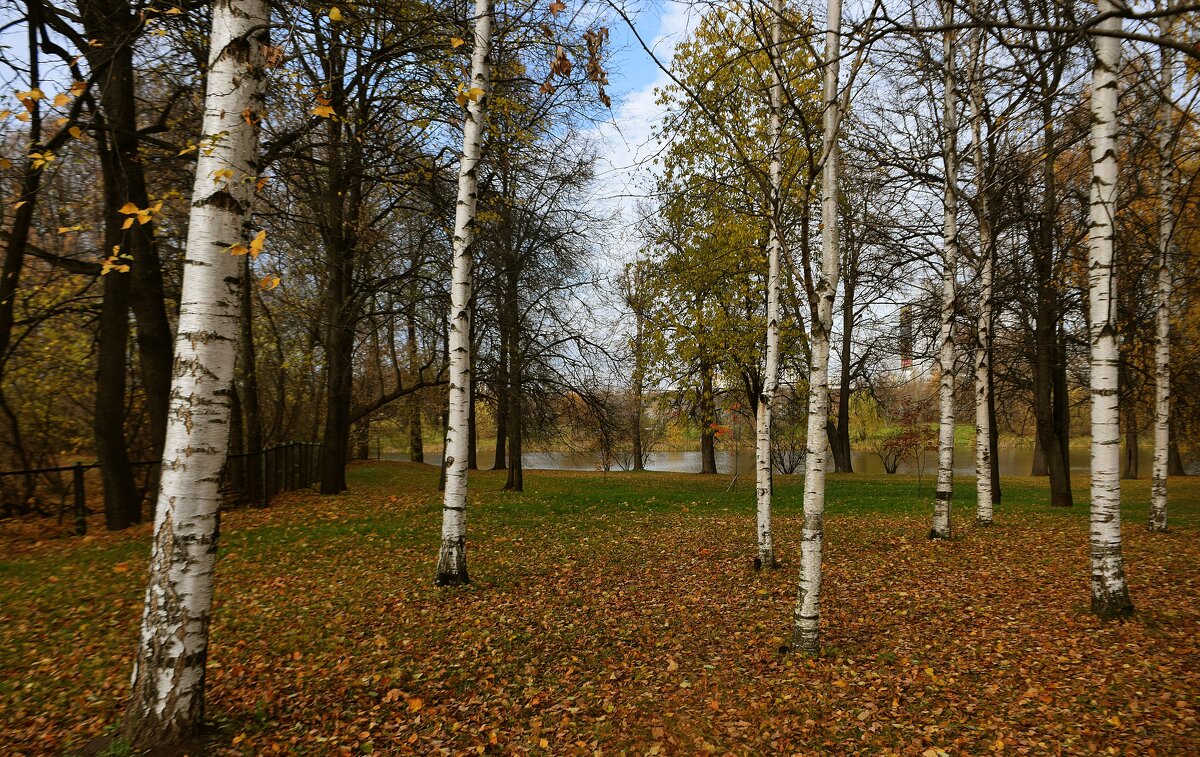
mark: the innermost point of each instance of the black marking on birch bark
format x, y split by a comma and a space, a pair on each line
1113, 605
144, 724
452, 564
204, 336
223, 199
943, 496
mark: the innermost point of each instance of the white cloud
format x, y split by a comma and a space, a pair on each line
626, 141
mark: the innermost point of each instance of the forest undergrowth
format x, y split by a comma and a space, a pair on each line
618, 614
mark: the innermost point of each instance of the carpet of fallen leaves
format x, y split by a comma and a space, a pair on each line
623, 630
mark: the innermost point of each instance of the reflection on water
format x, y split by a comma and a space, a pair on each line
1014, 461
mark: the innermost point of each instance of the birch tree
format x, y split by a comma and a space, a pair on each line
167, 702
983, 328
452, 560
806, 617
945, 359
1110, 594
766, 401
1162, 314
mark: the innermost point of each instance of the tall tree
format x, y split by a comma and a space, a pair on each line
1051, 397
946, 350
112, 27
807, 615
452, 559
1110, 593
713, 235
764, 487
1162, 313
986, 261
167, 700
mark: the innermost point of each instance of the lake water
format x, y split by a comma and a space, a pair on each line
1014, 461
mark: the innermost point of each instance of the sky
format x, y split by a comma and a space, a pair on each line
625, 140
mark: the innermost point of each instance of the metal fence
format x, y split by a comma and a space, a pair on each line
258, 476
251, 477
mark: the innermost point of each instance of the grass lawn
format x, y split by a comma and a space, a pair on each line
618, 613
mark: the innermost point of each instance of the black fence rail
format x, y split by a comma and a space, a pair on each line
250, 477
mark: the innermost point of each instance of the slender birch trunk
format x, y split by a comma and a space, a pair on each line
807, 615
1110, 594
1162, 315
983, 348
167, 702
945, 362
766, 400
452, 560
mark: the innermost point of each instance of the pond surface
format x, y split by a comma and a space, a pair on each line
1014, 461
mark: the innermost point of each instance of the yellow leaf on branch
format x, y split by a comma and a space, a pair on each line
256, 244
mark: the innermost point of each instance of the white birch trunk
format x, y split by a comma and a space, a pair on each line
807, 615
167, 701
1162, 314
983, 328
1110, 594
766, 401
945, 362
452, 558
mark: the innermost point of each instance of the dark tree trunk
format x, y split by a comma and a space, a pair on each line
339, 345
501, 462
472, 433
416, 442
237, 432
251, 414
994, 436
840, 443
445, 412
237, 466
14, 253
1039, 458
122, 502
117, 26
639, 453
445, 433
516, 468
339, 209
339, 367
1048, 403
708, 420
1062, 405
1131, 442
1131, 467
1174, 459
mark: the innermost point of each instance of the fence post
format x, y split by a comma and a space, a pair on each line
80, 504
